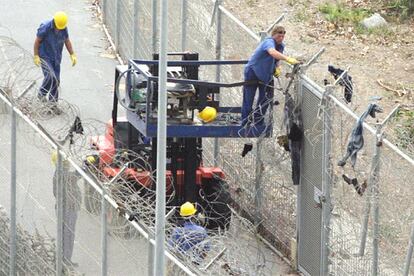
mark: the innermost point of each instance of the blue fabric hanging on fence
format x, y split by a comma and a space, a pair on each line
356, 141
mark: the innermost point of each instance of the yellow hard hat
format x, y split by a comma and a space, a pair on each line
187, 209
91, 159
208, 114
61, 20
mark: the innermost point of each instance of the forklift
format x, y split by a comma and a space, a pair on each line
188, 179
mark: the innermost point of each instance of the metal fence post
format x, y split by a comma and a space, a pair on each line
183, 25
13, 228
218, 71
118, 25
59, 199
375, 198
104, 212
104, 237
409, 253
326, 181
364, 230
259, 169
375, 190
159, 257
104, 4
150, 252
135, 28
154, 26
257, 183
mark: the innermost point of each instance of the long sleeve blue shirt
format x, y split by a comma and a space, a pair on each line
52, 42
261, 62
186, 237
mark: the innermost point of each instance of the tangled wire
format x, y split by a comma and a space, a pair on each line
229, 236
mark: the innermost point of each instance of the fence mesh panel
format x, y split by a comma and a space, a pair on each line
126, 28
260, 182
354, 203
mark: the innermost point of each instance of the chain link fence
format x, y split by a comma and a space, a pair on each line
63, 189
261, 181
365, 215
52, 219
372, 215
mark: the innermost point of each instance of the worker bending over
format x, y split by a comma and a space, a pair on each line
190, 239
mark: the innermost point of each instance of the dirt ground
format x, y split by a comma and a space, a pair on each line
386, 57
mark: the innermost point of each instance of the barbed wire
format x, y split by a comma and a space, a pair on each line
36, 253
134, 191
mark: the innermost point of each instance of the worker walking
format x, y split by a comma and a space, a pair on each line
259, 71
48, 46
72, 199
190, 239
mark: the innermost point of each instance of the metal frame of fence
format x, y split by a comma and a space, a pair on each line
379, 151
106, 200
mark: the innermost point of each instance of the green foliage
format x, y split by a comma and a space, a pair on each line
383, 31
409, 114
405, 130
400, 7
339, 14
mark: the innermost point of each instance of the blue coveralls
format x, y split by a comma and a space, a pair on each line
50, 51
261, 67
186, 239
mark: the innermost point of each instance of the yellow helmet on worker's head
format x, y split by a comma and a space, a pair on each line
187, 209
61, 20
91, 159
208, 114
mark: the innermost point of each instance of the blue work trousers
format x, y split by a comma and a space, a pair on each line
51, 81
264, 100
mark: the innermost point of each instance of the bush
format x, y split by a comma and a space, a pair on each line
339, 14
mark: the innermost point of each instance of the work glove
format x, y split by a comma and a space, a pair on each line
36, 60
278, 71
73, 59
292, 61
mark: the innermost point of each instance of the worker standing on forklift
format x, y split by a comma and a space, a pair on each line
262, 65
72, 200
48, 46
190, 239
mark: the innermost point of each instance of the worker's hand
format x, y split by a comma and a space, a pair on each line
292, 60
73, 59
36, 60
278, 71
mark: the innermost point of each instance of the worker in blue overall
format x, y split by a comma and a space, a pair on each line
262, 65
190, 239
51, 36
